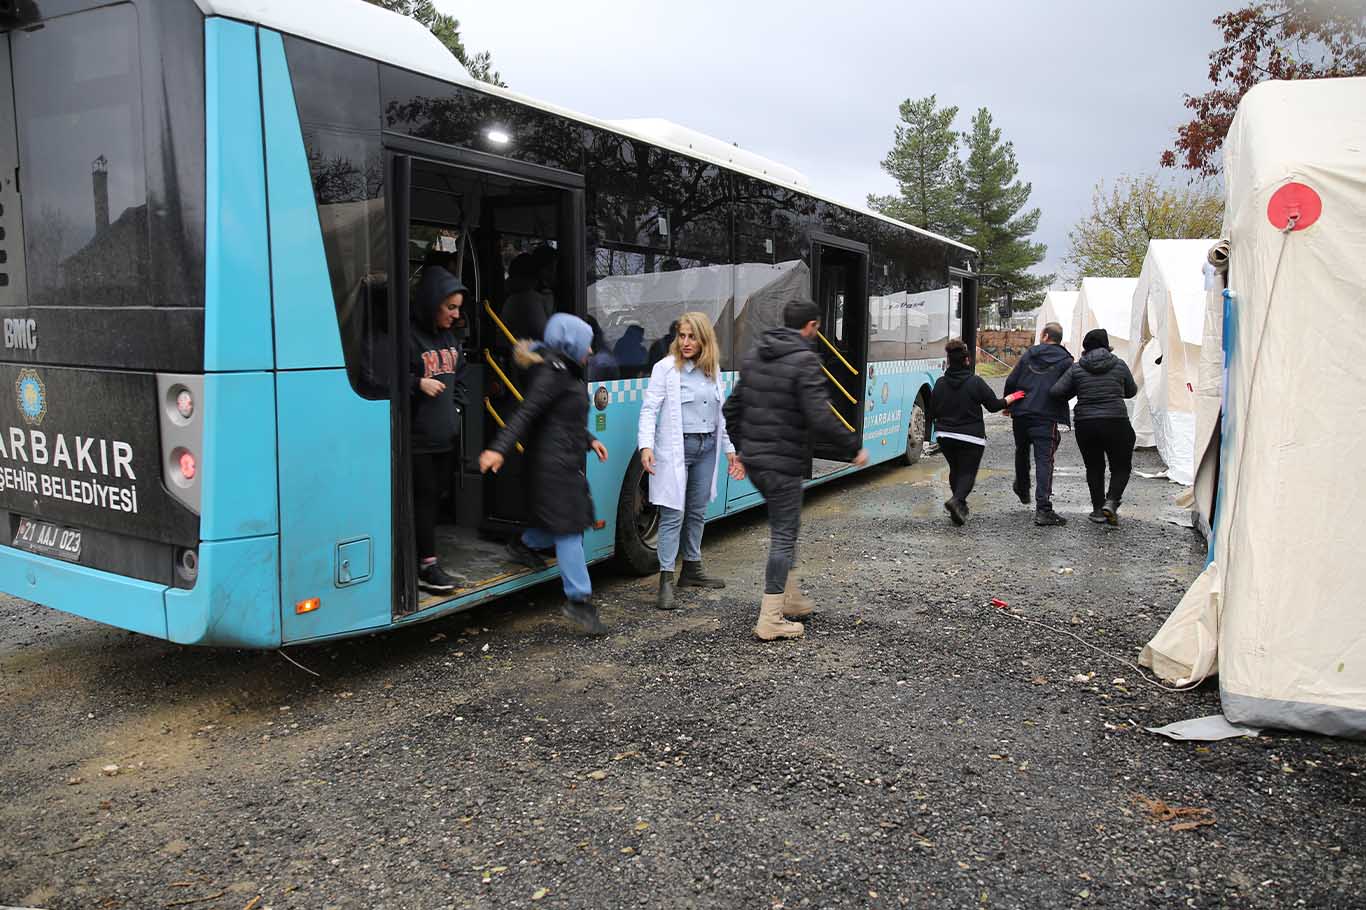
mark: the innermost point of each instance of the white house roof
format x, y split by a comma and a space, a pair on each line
371, 31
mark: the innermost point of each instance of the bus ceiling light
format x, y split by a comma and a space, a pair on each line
498, 137
308, 606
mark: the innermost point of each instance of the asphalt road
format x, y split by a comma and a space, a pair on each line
918, 748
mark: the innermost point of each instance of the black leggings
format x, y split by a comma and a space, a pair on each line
431, 480
1102, 439
964, 459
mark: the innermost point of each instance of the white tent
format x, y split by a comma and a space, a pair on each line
1278, 609
1167, 317
1058, 306
1105, 303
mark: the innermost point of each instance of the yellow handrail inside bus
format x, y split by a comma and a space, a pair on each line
488, 308
830, 376
832, 351
837, 414
501, 375
488, 406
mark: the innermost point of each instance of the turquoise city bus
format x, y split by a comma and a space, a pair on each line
212, 213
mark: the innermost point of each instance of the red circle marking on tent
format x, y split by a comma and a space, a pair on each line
1291, 200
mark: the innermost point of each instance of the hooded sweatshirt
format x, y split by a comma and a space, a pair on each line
435, 354
780, 406
957, 401
1100, 381
1035, 374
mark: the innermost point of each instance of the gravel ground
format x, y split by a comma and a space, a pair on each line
918, 748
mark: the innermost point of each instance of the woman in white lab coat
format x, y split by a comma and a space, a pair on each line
681, 432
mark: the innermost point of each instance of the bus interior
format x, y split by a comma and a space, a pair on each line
507, 238
840, 281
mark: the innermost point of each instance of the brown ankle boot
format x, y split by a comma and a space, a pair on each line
795, 603
771, 624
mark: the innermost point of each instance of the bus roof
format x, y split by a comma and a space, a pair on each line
378, 34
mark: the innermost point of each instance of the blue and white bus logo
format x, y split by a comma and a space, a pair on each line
32, 396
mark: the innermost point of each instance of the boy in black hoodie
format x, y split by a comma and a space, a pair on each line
956, 406
436, 369
1036, 420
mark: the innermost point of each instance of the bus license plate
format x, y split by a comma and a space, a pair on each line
48, 539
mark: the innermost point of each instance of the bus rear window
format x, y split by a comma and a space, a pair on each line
82, 171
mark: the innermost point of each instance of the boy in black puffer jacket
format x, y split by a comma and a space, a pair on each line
956, 406
778, 405
1101, 381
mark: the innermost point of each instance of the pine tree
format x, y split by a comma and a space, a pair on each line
447, 30
994, 219
924, 162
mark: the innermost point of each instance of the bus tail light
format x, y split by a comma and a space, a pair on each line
308, 606
180, 405
184, 404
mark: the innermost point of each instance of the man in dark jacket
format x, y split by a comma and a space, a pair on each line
778, 408
1036, 418
956, 406
1101, 381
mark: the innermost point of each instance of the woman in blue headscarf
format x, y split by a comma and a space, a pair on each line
552, 425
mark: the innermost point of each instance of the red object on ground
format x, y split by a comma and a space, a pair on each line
1294, 200
997, 602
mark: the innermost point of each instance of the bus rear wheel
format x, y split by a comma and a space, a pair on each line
637, 523
917, 433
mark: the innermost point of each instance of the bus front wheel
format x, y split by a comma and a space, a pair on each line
637, 523
917, 433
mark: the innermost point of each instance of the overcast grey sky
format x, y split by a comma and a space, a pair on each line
1085, 89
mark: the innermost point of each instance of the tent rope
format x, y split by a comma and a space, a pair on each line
1143, 676
1256, 362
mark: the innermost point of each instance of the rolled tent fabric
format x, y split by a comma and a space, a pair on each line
1292, 635
1209, 397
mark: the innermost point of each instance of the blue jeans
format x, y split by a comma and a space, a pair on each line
569, 553
699, 458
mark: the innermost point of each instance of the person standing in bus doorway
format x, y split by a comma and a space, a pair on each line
681, 432
552, 425
436, 369
956, 406
778, 409
1101, 381
1035, 420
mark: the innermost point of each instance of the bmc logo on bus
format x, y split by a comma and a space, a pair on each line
21, 334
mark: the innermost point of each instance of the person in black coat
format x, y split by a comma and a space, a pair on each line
956, 406
1100, 381
1035, 420
436, 388
552, 425
778, 408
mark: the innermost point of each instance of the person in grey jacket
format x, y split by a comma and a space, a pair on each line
1100, 382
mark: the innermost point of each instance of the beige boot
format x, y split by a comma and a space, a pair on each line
771, 624
795, 603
